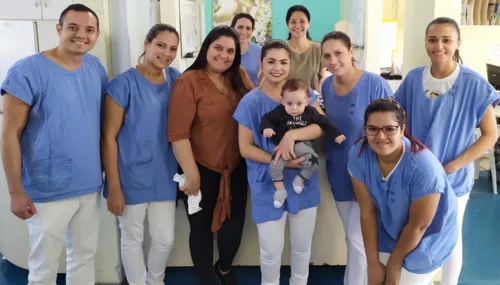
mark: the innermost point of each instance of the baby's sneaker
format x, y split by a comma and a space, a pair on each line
298, 184
279, 198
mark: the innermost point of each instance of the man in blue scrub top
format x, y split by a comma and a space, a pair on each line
50, 148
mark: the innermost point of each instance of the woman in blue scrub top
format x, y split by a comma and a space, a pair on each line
138, 162
456, 100
346, 95
244, 24
408, 207
257, 150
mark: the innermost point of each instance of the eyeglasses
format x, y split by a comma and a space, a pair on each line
387, 130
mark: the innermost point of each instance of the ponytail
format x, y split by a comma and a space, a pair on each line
457, 58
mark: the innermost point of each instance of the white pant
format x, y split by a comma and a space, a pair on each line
161, 221
78, 219
408, 278
356, 267
452, 268
272, 240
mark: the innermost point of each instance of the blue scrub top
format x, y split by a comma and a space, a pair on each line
416, 176
60, 145
146, 161
251, 108
347, 113
447, 124
250, 62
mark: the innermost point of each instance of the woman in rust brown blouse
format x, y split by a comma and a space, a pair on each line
204, 138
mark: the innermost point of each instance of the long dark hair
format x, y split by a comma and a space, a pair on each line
298, 8
243, 15
274, 44
392, 106
155, 31
453, 23
233, 72
341, 36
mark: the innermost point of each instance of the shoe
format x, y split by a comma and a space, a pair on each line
227, 279
297, 188
279, 198
298, 184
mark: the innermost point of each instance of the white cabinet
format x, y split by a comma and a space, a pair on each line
32, 9
51, 9
21, 10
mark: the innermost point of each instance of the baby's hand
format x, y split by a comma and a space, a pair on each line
340, 139
269, 133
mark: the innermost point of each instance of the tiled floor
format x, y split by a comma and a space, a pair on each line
481, 252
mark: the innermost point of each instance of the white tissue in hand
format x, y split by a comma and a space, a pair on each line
193, 201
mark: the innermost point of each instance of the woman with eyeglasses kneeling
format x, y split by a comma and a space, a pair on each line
408, 208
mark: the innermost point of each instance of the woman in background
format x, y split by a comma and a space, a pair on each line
204, 137
244, 24
306, 54
138, 163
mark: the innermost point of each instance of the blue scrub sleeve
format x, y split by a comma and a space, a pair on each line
428, 176
354, 164
119, 90
243, 113
491, 98
23, 82
172, 75
400, 94
104, 78
383, 90
325, 85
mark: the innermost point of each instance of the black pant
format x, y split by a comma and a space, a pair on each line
229, 236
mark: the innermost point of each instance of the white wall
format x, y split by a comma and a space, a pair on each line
476, 40
169, 14
373, 27
417, 16
390, 10
416, 21
130, 21
475, 47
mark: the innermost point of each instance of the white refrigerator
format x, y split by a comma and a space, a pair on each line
18, 39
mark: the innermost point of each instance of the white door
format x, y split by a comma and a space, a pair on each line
52, 9
21, 9
47, 35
